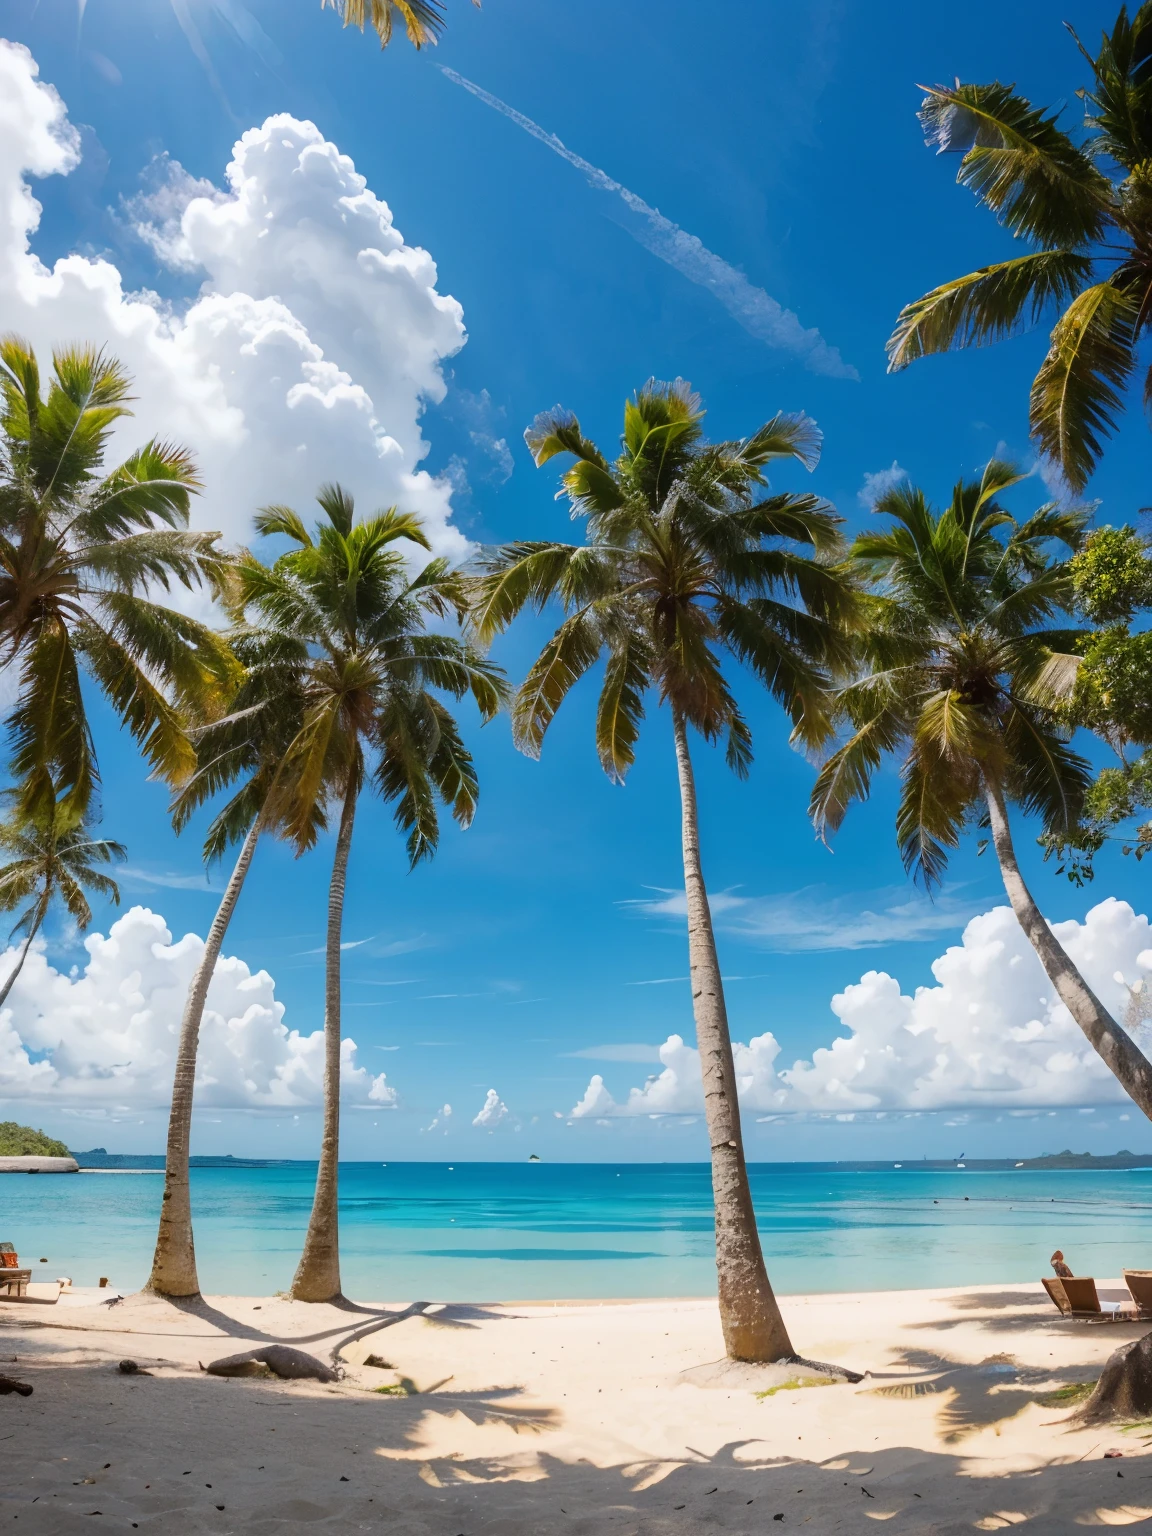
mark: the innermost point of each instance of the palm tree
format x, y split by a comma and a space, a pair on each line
686, 558
252, 742
961, 664
54, 857
1086, 208
79, 547
369, 711
423, 19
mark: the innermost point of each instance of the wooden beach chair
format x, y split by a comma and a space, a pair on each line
1075, 1296
1139, 1283
13, 1279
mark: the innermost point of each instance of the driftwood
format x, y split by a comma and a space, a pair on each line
1124, 1390
273, 1360
10, 1384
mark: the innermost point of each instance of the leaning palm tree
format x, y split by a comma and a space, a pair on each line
423, 20
1085, 205
371, 712
53, 858
963, 657
79, 549
251, 743
686, 560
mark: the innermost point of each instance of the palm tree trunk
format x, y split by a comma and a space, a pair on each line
19, 966
1115, 1047
318, 1273
749, 1314
174, 1260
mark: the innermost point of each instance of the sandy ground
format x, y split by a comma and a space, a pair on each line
574, 1417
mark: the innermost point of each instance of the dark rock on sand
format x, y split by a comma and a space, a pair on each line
10, 1384
1124, 1390
275, 1360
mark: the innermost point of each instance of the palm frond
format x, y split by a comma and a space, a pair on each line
563, 661
1078, 391
1018, 162
987, 305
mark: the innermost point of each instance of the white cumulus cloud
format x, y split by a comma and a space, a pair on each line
105, 1036
879, 484
492, 1111
314, 342
990, 1034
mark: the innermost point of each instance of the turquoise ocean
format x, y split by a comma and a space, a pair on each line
492, 1231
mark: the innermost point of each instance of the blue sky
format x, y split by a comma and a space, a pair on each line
787, 143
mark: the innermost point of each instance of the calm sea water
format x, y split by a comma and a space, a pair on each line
485, 1231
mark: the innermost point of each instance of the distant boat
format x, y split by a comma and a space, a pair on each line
960, 1165
533, 1158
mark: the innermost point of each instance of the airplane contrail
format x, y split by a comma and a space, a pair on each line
760, 314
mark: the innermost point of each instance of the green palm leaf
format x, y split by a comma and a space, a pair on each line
1018, 162
987, 305
1077, 392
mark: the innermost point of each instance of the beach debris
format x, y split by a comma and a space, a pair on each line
276, 1360
130, 1368
1124, 1390
10, 1384
378, 1363
767, 1379
1112, 1454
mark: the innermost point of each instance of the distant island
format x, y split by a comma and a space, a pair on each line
1067, 1159
23, 1141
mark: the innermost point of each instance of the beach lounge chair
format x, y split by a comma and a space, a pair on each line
13, 1279
1139, 1283
1075, 1296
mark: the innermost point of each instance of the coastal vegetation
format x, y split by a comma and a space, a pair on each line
1112, 697
962, 658
424, 20
53, 857
1085, 205
371, 675
23, 1141
688, 563
83, 550
965, 642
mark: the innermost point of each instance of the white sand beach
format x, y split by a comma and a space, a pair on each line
562, 1417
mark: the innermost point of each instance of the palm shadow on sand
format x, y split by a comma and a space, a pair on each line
974, 1396
292, 1457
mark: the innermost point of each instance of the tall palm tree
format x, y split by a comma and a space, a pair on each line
424, 20
371, 711
686, 560
251, 742
53, 858
79, 549
961, 662
1086, 207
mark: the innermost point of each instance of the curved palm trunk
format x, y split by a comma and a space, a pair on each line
317, 1275
19, 966
174, 1261
1115, 1047
749, 1314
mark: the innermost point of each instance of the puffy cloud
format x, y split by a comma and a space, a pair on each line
879, 484
492, 1111
990, 1034
106, 1035
315, 340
